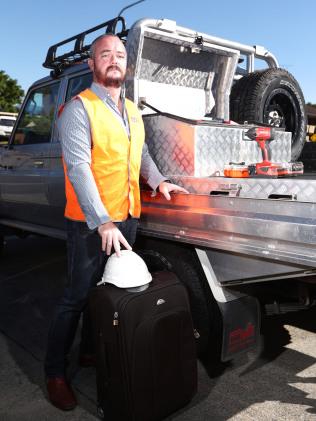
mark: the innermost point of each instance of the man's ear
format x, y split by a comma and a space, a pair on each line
91, 64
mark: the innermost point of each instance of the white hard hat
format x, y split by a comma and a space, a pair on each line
127, 271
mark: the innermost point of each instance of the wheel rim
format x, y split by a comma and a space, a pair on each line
280, 110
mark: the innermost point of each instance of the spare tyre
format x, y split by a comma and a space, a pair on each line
273, 97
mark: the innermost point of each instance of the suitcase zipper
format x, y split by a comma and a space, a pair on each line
125, 371
115, 319
123, 302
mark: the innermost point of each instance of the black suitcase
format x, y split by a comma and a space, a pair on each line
146, 352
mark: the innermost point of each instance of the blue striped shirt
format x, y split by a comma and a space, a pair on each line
74, 134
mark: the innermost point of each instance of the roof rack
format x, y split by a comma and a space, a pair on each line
80, 51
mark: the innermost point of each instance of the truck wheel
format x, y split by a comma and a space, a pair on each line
273, 97
182, 260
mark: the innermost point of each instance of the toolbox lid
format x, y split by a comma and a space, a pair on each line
178, 70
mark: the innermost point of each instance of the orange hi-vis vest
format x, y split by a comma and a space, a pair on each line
115, 160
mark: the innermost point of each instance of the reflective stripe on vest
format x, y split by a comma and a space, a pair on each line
115, 160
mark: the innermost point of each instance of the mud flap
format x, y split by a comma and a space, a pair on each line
241, 326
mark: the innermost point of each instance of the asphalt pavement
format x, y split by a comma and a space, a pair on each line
277, 383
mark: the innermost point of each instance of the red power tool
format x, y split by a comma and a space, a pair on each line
263, 136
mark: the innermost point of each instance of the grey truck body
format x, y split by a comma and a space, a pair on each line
242, 231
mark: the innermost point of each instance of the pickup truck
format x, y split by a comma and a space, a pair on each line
242, 246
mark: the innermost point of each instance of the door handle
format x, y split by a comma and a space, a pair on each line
38, 164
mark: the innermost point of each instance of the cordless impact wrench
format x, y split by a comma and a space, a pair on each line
263, 136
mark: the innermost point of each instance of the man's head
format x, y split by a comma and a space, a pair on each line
108, 61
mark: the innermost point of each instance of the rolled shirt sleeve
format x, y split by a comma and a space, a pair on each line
149, 170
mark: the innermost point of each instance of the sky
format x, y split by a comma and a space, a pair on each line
286, 28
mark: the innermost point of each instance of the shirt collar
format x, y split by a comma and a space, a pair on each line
103, 93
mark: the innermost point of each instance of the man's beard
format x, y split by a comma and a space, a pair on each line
112, 81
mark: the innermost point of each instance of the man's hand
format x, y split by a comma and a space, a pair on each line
112, 237
166, 188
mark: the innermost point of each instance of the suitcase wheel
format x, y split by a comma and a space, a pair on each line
100, 412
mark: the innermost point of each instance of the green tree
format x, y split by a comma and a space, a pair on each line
11, 93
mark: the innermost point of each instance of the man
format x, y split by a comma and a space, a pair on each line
102, 137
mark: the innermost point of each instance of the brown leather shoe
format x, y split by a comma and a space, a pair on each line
60, 393
87, 360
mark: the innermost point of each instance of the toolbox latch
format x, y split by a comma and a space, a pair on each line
227, 189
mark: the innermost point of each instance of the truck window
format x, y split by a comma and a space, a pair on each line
36, 122
78, 84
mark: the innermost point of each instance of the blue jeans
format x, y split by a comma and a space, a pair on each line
86, 262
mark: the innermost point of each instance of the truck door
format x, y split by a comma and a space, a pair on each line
25, 164
73, 85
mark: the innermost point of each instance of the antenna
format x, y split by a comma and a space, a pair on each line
130, 5
112, 28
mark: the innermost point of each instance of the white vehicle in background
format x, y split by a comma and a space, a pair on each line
7, 121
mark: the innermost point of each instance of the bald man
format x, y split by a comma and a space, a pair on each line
102, 137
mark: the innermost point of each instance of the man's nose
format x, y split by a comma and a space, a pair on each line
114, 59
